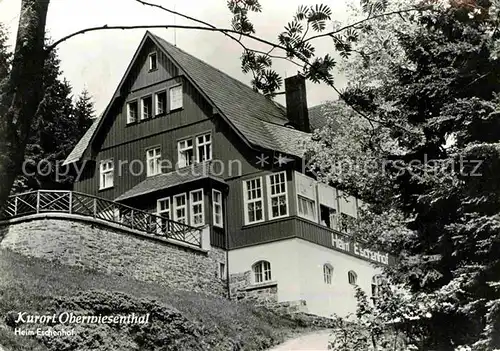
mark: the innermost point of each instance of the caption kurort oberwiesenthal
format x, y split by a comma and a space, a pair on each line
66, 318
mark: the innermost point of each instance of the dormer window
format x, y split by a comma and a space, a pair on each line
132, 110
146, 107
153, 61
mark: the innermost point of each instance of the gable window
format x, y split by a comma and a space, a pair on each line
217, 208
185, 152
253, 204
262, 272
163, 210
175, 97
327, 274
146, 107
132, 110
180, 208
307, 208
277, 195
153, 61
106, 170
197, 208
352, 277
153, 157
160, 103
204, 147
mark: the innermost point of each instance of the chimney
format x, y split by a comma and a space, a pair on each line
296, 103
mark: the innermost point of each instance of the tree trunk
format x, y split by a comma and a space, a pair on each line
21, 92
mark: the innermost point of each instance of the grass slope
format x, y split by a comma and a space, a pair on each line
180, 320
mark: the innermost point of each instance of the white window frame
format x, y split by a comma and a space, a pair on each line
106, 167
206, 145
271, 196
354, 276
129, 117
314, 207
377, 281
156, 158
222, 271
157, 112
150, 60
162, 213
327, 273
150, 112
215, 205
182, 207
192, 205
181, 150
261, 272
247, 201
173, 104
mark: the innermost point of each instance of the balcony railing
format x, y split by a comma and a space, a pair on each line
70, 202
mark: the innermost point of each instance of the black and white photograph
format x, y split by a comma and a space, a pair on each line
240, 175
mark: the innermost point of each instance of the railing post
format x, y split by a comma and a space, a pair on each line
38, 201
15, 206
132, 224
95, 207
70, 209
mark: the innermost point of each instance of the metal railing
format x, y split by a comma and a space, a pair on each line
70, 202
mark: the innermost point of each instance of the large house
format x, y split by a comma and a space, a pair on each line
184, 140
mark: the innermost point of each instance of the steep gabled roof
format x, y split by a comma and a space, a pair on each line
258, 120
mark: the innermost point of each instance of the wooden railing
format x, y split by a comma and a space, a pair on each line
62, 201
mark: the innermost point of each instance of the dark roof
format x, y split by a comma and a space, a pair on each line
317, 117
250, 113
167, 180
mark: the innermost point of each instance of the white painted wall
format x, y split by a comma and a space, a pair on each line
297, 266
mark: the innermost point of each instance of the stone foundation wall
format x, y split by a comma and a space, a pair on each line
240, 288
98, 247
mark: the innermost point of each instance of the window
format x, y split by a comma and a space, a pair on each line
352, 277
153, 161
204, 147
185, 152
377, 282
197, 208
153, 61
176, 97
180, 208
147, 107
253, 204
262, 272
106, 174
307, 208
222, 270
217, 208
346, 223
327, 274
277, 195
161, 103
132, 110
163, 210
328, 217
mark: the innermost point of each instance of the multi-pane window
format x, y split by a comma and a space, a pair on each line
277, 195
307, 208
352, 277
153, 161
197, 208
163, 210
204, 147
217, 208
377, 282
327, 273
253, 203
185, 152
106, 169
153, 61
180, 212
146, 107
160, 102
262, 272
132, 110
175, 97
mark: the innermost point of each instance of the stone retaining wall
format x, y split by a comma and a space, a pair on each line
98, 247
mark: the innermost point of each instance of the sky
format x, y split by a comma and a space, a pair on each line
97, 61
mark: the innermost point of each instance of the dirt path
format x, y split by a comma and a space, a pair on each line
316, 341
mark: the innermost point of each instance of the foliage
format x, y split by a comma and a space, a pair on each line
435, 204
